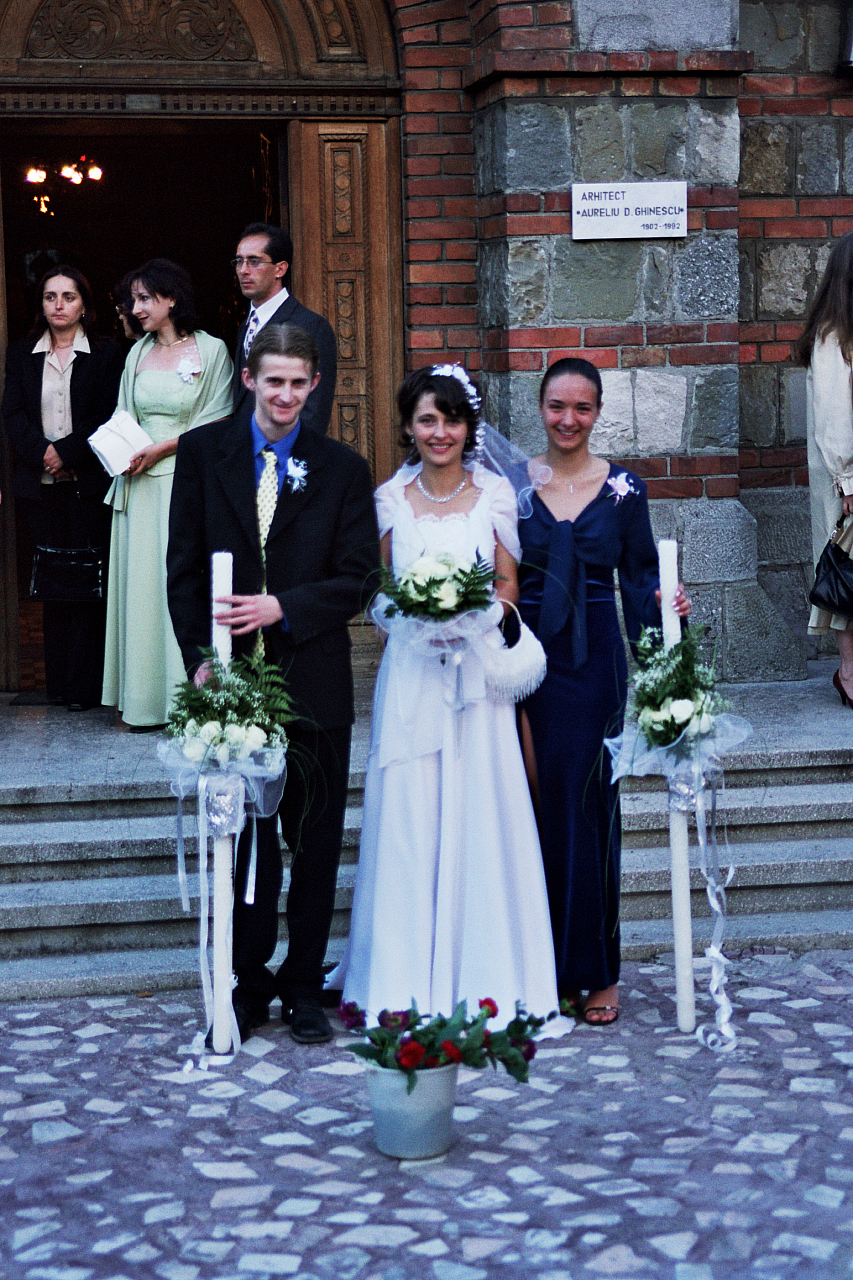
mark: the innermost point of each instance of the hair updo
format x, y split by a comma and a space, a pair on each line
451, 399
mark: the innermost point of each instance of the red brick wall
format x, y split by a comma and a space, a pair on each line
435, 42
454, 59
792, 217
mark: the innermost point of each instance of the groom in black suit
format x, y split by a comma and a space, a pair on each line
263, 259
313, 574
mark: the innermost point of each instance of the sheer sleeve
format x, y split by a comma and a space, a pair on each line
639, 577
389, 496
503, 508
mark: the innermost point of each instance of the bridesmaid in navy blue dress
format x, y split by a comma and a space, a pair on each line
590, 518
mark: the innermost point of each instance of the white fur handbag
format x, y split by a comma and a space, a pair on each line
512, 674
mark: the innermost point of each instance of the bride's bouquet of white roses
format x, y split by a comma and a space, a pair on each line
674, 691
439, 587
239, 710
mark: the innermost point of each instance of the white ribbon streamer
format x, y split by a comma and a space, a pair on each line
691, 764
227, 795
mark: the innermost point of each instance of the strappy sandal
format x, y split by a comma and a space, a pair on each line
609, 1013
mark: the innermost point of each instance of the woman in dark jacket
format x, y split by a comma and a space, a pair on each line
61, 384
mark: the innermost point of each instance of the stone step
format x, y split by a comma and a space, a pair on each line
97, 847
772, 876
791, 812
746, 768
106, 973
143, 972
65, 802
119, 913
787, 930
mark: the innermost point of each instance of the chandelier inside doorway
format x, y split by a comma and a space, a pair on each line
48, 178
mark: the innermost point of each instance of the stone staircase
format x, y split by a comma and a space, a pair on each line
788, 820
89, 902
89, 897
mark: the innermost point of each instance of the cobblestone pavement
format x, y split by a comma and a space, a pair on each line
634, 1152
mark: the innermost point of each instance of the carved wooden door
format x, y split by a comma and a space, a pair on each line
345, 223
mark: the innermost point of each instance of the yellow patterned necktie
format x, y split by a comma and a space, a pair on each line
267, 498
267, 495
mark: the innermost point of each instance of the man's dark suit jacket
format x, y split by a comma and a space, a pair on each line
318, 407
95, 377
322, 554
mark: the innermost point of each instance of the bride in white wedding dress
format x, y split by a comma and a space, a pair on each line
450, 899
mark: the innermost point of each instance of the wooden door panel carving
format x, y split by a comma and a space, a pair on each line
345, 225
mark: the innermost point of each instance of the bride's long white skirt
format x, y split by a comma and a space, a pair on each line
450, 900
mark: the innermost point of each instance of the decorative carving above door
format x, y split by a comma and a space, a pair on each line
332, 41
176, 30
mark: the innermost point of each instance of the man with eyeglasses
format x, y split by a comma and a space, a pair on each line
263, 257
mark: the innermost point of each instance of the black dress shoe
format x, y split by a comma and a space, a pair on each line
308, 1022
250, 1014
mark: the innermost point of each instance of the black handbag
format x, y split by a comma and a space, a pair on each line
67, 573
833, 585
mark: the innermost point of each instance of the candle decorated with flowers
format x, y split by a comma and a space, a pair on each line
221, 579
668, 570
681, 711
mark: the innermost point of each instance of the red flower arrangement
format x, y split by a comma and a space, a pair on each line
409, 1041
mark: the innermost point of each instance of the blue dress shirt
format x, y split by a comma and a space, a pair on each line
282, 450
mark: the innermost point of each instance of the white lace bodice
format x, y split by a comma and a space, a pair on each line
464, 534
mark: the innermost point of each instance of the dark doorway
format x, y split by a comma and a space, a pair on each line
166, 189
171, 190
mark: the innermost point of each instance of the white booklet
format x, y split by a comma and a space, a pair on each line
117, 441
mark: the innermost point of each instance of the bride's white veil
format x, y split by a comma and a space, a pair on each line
498, 454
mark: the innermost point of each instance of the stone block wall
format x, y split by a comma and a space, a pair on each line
658, 317
796, 195
505, 105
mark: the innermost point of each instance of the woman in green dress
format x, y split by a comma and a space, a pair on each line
175, 378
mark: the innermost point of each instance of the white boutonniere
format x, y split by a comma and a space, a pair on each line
185, 370
297, 474
621, 486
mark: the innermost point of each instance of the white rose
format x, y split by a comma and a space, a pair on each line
235, 735
427, 567
681, 710
222, 753
210, 732
646, 717
692, 728
256, 737
447, 596
194, 749
190, 728
243, 751
706, 722
662, 713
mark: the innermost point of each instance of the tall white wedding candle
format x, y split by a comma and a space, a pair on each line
221, 577
682, 925
668, 569
223, 852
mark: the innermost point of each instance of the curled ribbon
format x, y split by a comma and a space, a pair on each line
691, 765
227, 796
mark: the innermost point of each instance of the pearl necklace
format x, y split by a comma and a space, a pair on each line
430, 497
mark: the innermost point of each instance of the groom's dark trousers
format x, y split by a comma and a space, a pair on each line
322, 554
